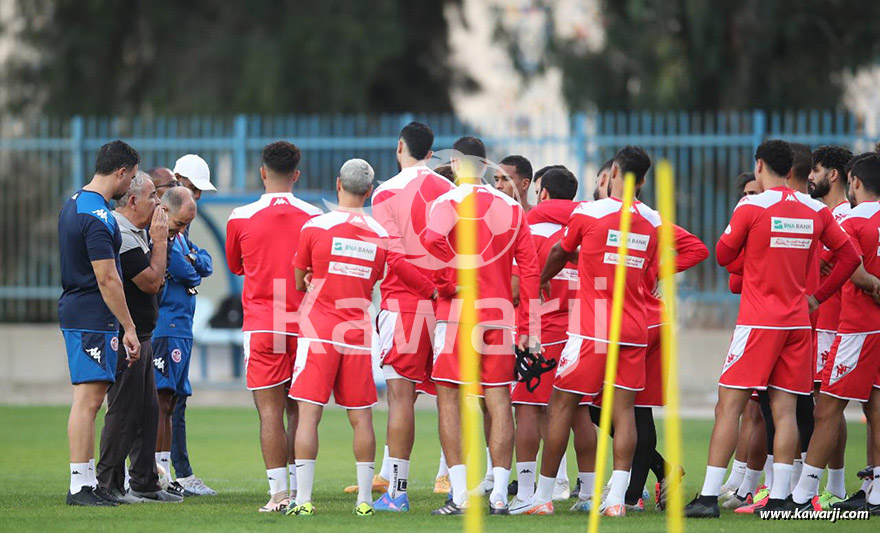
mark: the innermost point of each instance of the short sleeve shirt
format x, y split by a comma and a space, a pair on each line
134, 255
595, 227
346, 252
858, 312
87, 231
779, 230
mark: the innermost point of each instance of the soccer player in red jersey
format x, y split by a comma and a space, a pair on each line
503, 236
595, 228
406, 317
546, 221
261, 241
852, 371
772, 343
344, 251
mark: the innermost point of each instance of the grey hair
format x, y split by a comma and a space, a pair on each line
356, 176
177, 198
138, 183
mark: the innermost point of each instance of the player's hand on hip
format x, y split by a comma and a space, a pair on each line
132, 346
812, 303
159, 224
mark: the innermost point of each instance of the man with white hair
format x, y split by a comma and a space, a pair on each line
131, 421
344, 251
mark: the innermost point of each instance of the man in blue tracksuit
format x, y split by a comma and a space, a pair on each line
172, 348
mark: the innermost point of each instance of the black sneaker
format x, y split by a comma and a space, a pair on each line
702, 507
448, 510
775, 504
873, 509
792, 505
86, 497
106, 495
176, 488
513, 488
857, 501
866, 473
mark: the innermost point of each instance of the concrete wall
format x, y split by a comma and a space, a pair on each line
33, 368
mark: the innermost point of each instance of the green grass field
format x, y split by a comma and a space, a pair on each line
225, 452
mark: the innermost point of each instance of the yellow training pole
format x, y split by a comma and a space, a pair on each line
469, 360
613, 348
669, 345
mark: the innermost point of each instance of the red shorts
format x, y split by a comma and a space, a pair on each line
853, 367
268, 358
427, 387
322, 368
497, 359
404, 344
652, 394
541, 396
581, 368
823, 341
760, 358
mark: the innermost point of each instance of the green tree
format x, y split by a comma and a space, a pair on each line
702, 55
215, 56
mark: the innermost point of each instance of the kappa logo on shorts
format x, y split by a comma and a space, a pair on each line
842, 370
114, 343
176, 355
94, 353
159, 363
297, 370
730, 360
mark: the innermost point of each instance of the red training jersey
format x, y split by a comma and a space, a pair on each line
346, 252
595, 227
689, 252
829, 311
547, 222
261, 240
777, 230
401, 206
858, 312
502, 237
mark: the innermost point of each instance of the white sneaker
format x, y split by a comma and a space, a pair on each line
725, 495
561, 490
196, 486
517, 504
582, 506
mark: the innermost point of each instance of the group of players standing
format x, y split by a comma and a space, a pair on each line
543, 275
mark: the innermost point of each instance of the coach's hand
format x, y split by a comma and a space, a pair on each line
159, 225
812, 303
132, 346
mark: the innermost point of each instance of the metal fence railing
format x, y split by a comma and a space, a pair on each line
44, 159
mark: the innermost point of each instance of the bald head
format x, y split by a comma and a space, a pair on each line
163, 179
181, 207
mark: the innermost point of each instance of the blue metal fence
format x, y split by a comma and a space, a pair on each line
42, 160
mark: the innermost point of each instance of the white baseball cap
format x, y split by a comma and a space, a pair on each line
196, 170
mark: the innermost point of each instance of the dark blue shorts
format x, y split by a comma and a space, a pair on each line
171, 356
91, 355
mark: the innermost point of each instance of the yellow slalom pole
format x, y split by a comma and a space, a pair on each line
469, 360
613, 348
669, 346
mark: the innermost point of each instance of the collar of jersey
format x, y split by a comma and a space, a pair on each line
277, 195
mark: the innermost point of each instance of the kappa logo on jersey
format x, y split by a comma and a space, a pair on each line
791, 225
635, 241
176, 355
94, 353
790, 242
100, 213
631, 262
279, 201
347, 269
159, 363
114, 343
353, 248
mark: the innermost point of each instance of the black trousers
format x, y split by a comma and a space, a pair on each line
130, 426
